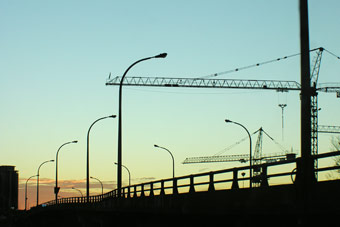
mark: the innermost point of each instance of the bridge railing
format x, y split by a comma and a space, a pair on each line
192, 183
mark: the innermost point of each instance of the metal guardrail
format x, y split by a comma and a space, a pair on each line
160, 187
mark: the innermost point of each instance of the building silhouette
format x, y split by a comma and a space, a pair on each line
9, 181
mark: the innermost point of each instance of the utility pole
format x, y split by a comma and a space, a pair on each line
306, 92
305, 168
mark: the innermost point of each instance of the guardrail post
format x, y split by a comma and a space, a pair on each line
135, 191
142, 191
211, 182
192, 185
151, 189
264, 178
174, 187
129, 192
162, 188
235, 179
123, 192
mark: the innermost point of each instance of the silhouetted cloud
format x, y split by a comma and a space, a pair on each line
145, 179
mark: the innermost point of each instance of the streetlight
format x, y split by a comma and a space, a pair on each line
38, 179
100, 183
173, 160
56, 189
26, 190
78, 191
128, 172
119, 160
250, 152
88, 158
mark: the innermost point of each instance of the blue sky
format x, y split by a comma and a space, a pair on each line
56, 56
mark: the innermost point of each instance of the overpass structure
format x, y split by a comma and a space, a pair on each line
204, 199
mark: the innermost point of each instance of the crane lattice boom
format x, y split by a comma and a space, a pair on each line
239, 158
278, 85
328, 129
206, 83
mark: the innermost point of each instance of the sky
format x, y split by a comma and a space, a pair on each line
56, 56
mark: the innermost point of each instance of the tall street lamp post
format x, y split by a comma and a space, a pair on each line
128, 173
88, 158
38, 179
100, 183
119, 160
26, 190
173, 160
250, 152
56, 189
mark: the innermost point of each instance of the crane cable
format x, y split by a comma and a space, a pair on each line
240, 141
233, 145
332, 54
279, 145
263, 63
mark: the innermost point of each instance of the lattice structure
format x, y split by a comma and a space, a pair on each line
206, 83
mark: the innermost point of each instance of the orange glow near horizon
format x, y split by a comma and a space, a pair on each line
46, 190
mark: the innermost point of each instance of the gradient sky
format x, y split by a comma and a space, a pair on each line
56, 56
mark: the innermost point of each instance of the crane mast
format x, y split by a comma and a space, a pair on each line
257, 159
314, 76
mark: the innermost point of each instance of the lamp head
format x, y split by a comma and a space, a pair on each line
76, 141
116, 163
112, 116
155, 145
51, 161
228, 121
162, 55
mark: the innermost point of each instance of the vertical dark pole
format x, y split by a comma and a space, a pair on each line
88, 166
305, 168
88, 158
56, 188
119, 158
38, 188
305, 82
38, 179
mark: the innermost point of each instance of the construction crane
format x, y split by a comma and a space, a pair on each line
258, 158
277, 85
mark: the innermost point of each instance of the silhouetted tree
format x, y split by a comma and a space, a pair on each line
335, 146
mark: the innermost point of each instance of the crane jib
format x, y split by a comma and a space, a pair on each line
206, 83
